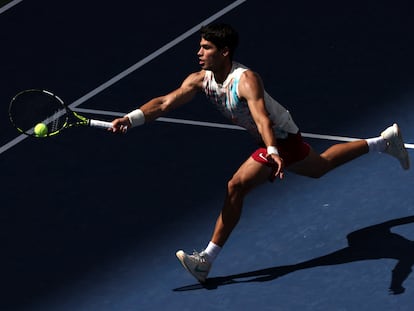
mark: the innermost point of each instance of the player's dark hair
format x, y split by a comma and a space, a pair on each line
221, 35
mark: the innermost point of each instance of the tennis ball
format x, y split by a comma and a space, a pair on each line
40, 130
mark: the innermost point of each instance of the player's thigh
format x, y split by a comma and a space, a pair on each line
251, 173
312, 166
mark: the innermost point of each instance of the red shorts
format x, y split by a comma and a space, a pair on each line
291, 149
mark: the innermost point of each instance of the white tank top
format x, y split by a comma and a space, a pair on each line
226, 98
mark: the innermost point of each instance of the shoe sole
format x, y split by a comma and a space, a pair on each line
404, 165
400, 144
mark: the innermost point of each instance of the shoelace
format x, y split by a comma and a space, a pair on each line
199, 256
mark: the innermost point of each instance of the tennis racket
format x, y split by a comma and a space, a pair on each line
40, 113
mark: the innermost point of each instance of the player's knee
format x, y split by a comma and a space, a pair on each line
322, 168
235, 186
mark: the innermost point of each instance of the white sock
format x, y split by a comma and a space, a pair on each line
212, 251
376, 144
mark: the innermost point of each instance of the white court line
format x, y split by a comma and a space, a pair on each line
9, 5
221, 125
136, 66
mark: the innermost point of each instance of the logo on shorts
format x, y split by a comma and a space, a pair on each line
262, 156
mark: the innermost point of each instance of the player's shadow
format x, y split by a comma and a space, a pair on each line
374, 242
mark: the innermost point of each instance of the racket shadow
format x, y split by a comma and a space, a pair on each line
374, 242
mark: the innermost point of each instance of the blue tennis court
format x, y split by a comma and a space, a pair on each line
92, 221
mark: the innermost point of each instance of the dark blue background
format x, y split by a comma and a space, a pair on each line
91, 221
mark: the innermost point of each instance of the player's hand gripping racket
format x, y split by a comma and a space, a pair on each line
40, 113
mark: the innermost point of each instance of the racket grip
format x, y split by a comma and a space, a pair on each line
100, 124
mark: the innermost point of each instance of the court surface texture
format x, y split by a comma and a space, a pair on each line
92, 221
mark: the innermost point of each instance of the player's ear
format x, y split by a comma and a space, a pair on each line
225, 51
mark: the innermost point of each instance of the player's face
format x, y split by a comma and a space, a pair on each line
210, 57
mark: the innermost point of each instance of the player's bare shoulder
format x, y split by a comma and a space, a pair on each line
194, 81
250, 76
191, 85
250, 83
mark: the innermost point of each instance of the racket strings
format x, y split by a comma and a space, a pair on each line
55, 125
36, 106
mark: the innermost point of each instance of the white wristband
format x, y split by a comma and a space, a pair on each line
136, 117
272, 150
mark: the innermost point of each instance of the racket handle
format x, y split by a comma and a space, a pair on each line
100, 124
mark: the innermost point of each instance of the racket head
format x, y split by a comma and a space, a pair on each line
31, 107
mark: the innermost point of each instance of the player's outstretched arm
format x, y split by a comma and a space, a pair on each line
161, 105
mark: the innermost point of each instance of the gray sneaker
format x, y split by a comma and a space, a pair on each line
196, 264
395, 145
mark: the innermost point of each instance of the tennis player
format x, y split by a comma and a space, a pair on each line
238, 93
